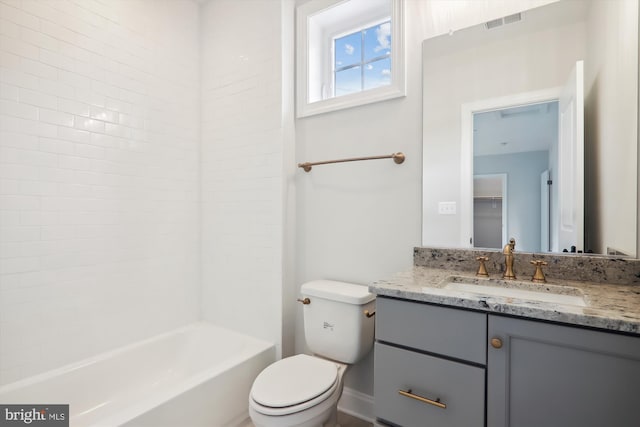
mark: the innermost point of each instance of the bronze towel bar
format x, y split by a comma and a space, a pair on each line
397, 157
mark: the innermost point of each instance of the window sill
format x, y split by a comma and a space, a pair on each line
349, 101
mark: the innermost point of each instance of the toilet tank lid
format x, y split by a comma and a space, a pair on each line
349, 293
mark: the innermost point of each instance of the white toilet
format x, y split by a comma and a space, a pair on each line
302, 390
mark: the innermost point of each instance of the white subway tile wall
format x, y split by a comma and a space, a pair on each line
242, 166
99, 176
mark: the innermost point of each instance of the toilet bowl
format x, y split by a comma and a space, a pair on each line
299, 391
303, 390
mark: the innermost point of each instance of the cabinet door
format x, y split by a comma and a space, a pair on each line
559, 376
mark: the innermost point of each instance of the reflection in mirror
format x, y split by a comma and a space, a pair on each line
521, 143
490, 221
478, 81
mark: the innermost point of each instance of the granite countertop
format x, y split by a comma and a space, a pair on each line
608, 306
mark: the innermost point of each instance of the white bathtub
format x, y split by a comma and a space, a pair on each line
199, 375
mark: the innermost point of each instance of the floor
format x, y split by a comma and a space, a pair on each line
344, 420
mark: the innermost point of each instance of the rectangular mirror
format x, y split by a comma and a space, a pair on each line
547, 101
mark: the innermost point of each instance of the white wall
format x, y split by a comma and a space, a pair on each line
98, 176
611, 91
245, 136
359, 222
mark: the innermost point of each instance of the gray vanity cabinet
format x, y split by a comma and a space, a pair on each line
537, 374
429, 365
560, 376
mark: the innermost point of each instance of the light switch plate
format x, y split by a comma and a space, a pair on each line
447, 208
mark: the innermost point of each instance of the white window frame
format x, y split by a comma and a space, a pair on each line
322, 72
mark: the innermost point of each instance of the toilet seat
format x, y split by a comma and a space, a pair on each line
294, 384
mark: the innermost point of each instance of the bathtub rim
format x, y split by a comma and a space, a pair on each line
146, 404
257, 348
73, 366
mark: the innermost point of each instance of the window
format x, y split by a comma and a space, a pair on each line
362, 60
349, 53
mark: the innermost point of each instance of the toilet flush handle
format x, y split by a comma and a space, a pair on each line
305, 301
369, 313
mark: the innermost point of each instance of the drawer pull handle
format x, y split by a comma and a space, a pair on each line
422, 399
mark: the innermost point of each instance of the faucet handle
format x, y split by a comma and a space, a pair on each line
538, 276
482, 270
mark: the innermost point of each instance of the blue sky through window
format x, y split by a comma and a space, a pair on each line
348, 81
377, 41
362, 60
348, 50
377, 73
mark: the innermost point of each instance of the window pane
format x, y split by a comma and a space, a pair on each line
348, 81
377, 41
377, 73
348, 50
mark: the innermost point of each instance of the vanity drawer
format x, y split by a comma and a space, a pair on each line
448, 331
457, 385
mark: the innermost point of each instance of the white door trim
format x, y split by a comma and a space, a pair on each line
466, 146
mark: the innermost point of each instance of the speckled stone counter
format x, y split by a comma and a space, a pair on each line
609, 305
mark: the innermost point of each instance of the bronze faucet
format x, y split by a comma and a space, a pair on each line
482, 269
508, 259
538, 276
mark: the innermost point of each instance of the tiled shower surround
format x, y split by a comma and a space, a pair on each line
243, 164
99, 176
141, 163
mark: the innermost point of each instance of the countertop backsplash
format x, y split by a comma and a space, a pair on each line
576, 267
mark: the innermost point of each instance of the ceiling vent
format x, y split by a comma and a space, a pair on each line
493, 24
510, 19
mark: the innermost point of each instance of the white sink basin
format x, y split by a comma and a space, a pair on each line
564, 295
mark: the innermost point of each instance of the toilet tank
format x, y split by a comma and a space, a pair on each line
335, 325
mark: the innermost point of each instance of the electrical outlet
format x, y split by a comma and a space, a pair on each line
447, 208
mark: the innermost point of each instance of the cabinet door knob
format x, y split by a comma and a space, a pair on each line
496, 343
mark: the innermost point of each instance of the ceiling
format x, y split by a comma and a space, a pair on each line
532, 127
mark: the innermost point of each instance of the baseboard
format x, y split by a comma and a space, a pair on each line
358, 404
